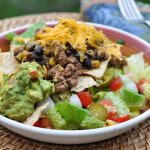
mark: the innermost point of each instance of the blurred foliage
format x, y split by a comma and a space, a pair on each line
11, 8
144, 1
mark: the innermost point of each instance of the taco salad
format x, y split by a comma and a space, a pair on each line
71, 77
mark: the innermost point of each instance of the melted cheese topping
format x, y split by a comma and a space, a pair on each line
69, 31
20, 39
1, 79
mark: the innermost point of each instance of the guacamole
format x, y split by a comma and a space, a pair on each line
19, 95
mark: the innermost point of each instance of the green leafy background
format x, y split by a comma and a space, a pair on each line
11, 8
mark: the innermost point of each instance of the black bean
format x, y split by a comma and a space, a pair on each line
140, 92
37, 57
43, 62
98, 58
38, 50
77, 56
30, 46
68, 52
71, 48
86, 62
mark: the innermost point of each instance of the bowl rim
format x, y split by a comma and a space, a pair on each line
86, 132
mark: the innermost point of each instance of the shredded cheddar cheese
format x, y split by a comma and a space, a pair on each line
45, 70
1, 79
76, 34
20, 39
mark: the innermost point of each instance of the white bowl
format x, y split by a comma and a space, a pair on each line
79, 136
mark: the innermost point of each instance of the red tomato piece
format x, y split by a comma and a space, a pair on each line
111, 114
140, 88
85, 98
107, 102
37, 123
45, 123
34, 75
139, 85
116, 84
121, 119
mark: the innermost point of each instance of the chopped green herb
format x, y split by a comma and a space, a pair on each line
120, 41
109, 41
3, 114
107, 88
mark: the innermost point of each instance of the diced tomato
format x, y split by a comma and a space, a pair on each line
85, 98
116, 84
139, 85
107, 102
37, 123
140, 88
111, 114
121, 119
45, 123
34, 75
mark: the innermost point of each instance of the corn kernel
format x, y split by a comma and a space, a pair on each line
56, 51
95, 64
90, 52
110, 122
52, 61
12, 77
45, 71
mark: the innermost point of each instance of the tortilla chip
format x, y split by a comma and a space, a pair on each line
83, 83
31, 120
98, 73
13, 47
8, 63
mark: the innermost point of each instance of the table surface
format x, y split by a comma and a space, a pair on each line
136, 139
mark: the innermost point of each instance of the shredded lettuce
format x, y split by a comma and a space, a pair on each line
118, 102
29, 33
145, 74
135, 65
68, 116
92, 123
96, 94
128, 83
146, 90
10, 36
71, 126
118, 70
71, 112
56, 119
131, 98
134, 112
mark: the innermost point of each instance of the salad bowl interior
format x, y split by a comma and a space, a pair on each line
132, 45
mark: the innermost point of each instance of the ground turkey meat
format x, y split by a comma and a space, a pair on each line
65, 78
61, 56
19, 50
117, 63
102, 55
